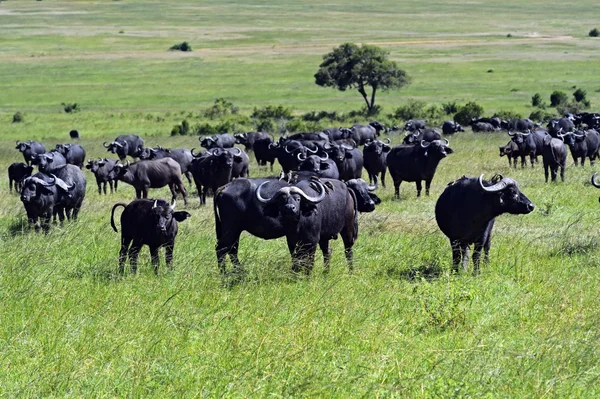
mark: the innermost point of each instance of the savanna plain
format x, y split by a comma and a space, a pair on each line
401, 324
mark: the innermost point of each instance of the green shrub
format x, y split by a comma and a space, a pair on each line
17, 117
413, 109
537, 101
557, 98
265, 125
572, 107
297, 125
450, 108
205, 129
271, 111
184, 46
314, 116
579, 95
467, 112
220, 108
541, 115
594, 33
70, 108
508, 115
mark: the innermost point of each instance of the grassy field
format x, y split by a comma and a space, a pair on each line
400, 325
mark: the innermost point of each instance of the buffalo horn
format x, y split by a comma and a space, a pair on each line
286, 149
105, 145
388, 141
194, 155
173, 205
239, 152
324, 159
374, 187
155, 203
312, 151
501, 185
43, 183
580, 135
347, 147
425, 145
300, 156
117, 143
447, 142
62, 184
597, 185
18, 141
293, 190
511, 134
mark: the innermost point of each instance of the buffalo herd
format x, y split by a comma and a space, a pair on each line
317, 197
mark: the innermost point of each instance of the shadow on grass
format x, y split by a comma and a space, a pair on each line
576, 248
428, 272
96, 273
18, 228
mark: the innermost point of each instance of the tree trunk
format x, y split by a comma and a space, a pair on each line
373, 98
362, 91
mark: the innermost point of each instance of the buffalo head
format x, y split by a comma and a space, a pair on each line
291, 202
163, 214
509, 198
436, 148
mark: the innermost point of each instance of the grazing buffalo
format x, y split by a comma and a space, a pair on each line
582, 144
126, 144
334, 133
264, 151
512, 152
216, 168
375, 159
49, 162
363, 133
74, 154
147, 222
40, 195
417, 136
248, 139
74, 134
591, 120
349, 160
467, 209
451, 127
319, 166
182, 156
144, 175
494, 121
104, 171
225, 140
414, 125
554, 154
17, 172
71, 201
519, 125
30, 149
416, 163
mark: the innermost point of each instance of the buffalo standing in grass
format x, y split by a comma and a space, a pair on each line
49, 162
349, 160
40, 195
467, 209
417, 136
248, 139
17, 172
124, 145
216, 168
30, 149
71, 201
147, 222
416, 163
583, 144
104, 171
529, 143
224, 140
183, 156
375, 159
554, 154
74, 154
511, 150
144, 175
319, 166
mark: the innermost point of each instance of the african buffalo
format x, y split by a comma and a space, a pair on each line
465, 212
319, 166
144, 175
414, 125
529, 143
582, 144
40, 195
554, 154
417, 136
17, 172
560, 125
248, 139
416, 163
349, 160
375, 159
182, 156
74, 153
451, 127
74, 134
70, 201
126, 144
265, 151
224, 140
511, 150
147, 222
103, 170
30, 149
49, 161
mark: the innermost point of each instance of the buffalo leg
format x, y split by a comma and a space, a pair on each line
460, 252
228, 243
419, 187
99, 188
183, 192
326, 249
553, 172
138, 193
562, 173
531, 159
303, 255
188, 174
583, 161
383, 178
169, 255
397, 188
145, 192
116, 182
10, 185
155, 259
476, 256
134, 251
46, 221
125, 241
546, 172
523, 162
427, 187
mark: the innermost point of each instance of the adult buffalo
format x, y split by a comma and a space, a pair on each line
74, 134
225, 140
364, 133
349, 160
560, 125
71, 201
591, 120
319, 166
103, 170
49, 162
265, 152
494, 121
416, 163
147, 222
124, 145
375, 159
17, 172
248, 139
479, 127
554, 154
144, 175
529, 143
74, 154
217, 168
290, 153
582, 143
334, 133
182, 156
451, 127
40, 195
30, 149
520, 125
417, 136
414, 125
467, 209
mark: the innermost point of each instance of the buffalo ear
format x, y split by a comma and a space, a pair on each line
46, 190
375, 198
237, 159
386, 148
449, 150
88, 166
307, 209
180, 216
324, 166
349, 155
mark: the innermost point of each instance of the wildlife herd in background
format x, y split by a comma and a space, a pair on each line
318, 194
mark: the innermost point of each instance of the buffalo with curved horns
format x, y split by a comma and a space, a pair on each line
126, 144
465, 212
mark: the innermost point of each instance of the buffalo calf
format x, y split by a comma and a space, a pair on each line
17, 172
147, 222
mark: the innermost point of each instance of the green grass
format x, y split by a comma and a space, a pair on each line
400, 325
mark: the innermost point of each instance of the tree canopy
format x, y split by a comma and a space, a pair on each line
360, 67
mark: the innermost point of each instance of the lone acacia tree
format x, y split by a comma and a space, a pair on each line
351, 66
